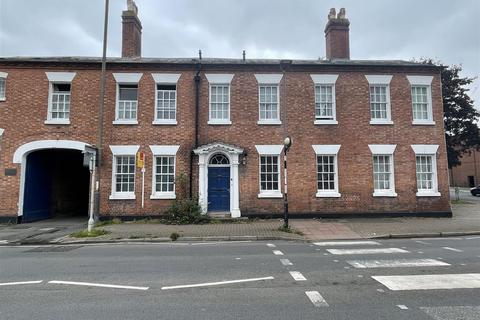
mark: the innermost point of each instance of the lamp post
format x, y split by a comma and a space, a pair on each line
286, 143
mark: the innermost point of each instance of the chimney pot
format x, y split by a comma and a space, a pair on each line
337, 35
131, 32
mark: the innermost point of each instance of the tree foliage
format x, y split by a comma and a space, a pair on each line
460, 116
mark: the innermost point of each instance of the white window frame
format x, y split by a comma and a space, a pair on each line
325, 80
269, 79
327, 150
163, 151
427, 150
165, 79
4, 75
126, 150
217, 79
126, 79
269, 150
384, 150
377, 81
422, 81
58, 78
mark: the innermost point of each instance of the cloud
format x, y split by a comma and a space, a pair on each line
380, 29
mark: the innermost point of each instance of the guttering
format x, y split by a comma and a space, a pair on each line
197, 80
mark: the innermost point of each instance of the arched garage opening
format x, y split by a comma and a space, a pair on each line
54, 182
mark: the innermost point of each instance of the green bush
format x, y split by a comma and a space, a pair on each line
186, 211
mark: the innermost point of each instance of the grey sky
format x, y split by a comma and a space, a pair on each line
379, 29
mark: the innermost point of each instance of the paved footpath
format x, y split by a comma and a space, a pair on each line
465, 221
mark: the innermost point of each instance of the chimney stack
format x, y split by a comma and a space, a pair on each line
336, 36
131, 32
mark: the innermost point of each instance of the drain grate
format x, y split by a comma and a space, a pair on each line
54, 249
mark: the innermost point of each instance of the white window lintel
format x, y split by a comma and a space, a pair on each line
65, 77
326, 148
425, 148
168, 78
158, 150
124, 150
420, 80
382, 148
324, 78
219, 78
274, 149
3, 74
378, 79
268, 78
127, 78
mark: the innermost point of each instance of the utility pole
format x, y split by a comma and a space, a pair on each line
101, 108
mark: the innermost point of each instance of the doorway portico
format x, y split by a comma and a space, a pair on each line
221, 162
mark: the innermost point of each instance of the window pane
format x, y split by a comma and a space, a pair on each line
326, 172
269, 173
164, 173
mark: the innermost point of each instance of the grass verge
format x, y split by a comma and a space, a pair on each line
85, 234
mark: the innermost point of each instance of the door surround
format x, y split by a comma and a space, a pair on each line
205, 153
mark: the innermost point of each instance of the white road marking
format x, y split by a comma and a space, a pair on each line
402, 306
335, 260
286, 262
271, 245
297, 276
360, 276
380, 290
452, 249
422, 242
472, 238
396, 263
431, 281
208, 284
20, 282
277, 252
366, 251
420, 252
219, 242
238, 258
316, 298
443, 238
345, 243
103, 285
3, 241
325, 254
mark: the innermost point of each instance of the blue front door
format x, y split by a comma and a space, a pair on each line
219, 189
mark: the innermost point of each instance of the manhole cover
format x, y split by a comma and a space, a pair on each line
54, 249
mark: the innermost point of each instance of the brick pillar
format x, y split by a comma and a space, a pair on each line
131, 32
337, 36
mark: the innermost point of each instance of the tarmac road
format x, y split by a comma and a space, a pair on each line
244, 280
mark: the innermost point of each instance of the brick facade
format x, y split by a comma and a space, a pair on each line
24, 112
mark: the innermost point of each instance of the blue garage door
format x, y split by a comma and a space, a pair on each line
219, 189
38, 188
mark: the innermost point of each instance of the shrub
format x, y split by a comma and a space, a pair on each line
174, 236
186, 211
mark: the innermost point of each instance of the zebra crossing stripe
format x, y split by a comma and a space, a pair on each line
367, 251
297, 276
344, 243
396, 263
430, 281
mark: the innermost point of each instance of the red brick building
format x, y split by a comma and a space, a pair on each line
368, 136
467, 174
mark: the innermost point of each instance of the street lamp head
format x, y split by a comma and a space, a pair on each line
287, 142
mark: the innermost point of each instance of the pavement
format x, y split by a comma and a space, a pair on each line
394, 279
465, 221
